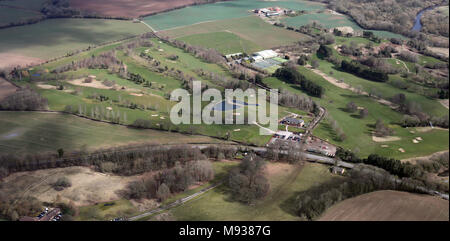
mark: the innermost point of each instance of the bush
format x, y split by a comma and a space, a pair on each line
61, 183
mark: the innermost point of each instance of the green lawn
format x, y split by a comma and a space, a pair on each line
430, 106
107, 211
224, 42
32, 132
13, 15
358, 130
56, 37
216, 205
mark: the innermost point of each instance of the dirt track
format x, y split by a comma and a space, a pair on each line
389, 206
129, 8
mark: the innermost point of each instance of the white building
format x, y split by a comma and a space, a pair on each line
266, 54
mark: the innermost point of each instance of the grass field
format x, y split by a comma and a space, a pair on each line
428, 105
329, 20
358, 130
14, 15
221, 11
57, 37
224, 42
250, 28
38, 132
278, 205
389, 206
35, 5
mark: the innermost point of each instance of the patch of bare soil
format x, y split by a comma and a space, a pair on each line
45, 86
441, 51
428, 128
6, 88
88, 187
385, 138
129, 8
8, 60
445, 103
389, 206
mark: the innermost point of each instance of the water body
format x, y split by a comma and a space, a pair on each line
224, 105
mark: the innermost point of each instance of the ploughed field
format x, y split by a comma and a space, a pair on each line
127, 8
389, 206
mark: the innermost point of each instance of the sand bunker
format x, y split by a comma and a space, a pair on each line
93, 84
427, 129
46, 87
135, 94
385, 139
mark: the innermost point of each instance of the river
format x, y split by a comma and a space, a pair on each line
417, 24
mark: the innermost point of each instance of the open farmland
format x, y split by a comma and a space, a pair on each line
224, 42
40, 132
57, 37
130, 9
34, 5
10, 15
389, 206
251, 28
221, 11
286, 180
333, 20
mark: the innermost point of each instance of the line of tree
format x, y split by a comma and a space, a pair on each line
24, 99
126, 160
393, 166
364, 72
292, 76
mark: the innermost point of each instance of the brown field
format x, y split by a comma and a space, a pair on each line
9, 60
6, 88
129, 8
389, 206
88, 187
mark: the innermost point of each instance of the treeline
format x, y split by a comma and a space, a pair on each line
414, 115
288, 99
364, 72
24, 99
393, 166
105, 60
164, 183
292, 76
128, 160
